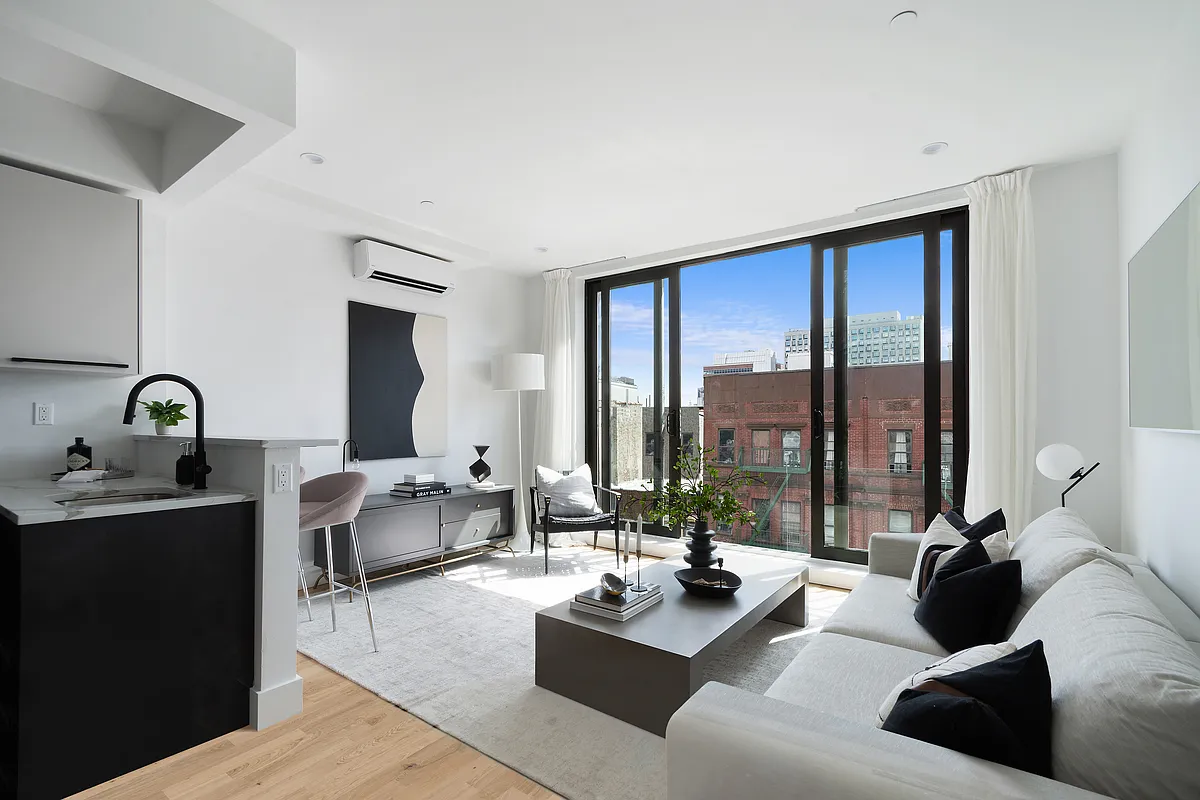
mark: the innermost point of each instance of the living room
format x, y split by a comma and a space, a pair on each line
622, 232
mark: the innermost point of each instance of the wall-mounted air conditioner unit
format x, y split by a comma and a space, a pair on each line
404, 269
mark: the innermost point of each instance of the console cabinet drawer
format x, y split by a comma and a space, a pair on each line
469, 506
480, 527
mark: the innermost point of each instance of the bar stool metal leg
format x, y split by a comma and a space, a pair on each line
332, 580
304, 583
363, 575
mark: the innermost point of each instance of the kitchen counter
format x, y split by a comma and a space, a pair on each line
237, 441
30, 502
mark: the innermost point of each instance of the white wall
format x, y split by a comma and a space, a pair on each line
259, 322
90, 406
1159, 163
1079, 335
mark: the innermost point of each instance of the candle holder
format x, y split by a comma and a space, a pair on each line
638, 586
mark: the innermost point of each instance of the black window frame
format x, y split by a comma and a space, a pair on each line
930, 225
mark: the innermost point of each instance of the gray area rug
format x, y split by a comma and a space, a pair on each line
457, 651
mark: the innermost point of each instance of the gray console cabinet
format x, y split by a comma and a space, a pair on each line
394, 531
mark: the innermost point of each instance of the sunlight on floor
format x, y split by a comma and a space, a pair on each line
572, 569
578, 567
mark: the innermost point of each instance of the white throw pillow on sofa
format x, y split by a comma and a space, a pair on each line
962, 660
570, 495
1125, 685
945, 536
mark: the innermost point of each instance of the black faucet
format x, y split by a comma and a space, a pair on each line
202, 467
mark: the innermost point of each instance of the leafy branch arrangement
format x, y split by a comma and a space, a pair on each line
168, 413
702, 493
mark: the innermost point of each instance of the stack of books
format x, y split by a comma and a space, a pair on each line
620, 606
420, 485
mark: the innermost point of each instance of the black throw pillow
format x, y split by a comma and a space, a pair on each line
992, 523
955, 517
970, 600
999, 711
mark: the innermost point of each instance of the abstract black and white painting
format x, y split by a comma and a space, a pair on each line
398, 382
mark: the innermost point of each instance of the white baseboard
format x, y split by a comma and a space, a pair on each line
270, 706
820, 571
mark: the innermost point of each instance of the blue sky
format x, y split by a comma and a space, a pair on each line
747, 303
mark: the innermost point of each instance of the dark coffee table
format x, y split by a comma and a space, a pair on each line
643, 669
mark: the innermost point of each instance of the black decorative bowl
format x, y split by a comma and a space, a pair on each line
687, 579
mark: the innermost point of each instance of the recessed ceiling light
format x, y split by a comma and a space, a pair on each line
427, 203
542, 249
313, 158
933, 148
904, 19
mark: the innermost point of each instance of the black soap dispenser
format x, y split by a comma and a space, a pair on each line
185, 467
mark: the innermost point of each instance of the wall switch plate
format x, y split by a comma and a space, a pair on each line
283, 478
43, 413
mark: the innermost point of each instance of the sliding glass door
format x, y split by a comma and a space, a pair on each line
886, 319
634, 435
826, 368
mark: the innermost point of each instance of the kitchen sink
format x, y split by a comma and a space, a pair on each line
123, 497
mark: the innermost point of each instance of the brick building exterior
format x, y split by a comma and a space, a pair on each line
762, 422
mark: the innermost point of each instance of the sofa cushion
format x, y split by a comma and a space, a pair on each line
879, 610
1126, 687
844, 676
963, 659
999, 711
980, 529
1182, 619
970, 600
1051, 546
939, 544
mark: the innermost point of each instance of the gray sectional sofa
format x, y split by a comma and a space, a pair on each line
1124, 658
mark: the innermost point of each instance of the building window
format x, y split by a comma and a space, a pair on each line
651, 444
947, 460
760, 448
688, 442
792, 456
762, 518
725, 445
828, 451
900, 451
899, 521
789, 515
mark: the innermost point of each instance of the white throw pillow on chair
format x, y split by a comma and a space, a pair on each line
570, 495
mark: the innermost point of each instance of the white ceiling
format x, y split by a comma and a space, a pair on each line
38, 66
631, 127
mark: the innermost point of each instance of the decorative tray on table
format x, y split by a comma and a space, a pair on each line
708, 582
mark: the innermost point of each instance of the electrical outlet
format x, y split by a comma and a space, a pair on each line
43, 413
283, 477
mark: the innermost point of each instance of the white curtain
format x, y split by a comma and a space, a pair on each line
1002, 332
554, 432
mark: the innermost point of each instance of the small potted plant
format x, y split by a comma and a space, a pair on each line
702, 494
164, 415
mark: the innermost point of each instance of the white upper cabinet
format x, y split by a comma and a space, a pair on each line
69, 276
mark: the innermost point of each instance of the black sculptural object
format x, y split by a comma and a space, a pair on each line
480, 471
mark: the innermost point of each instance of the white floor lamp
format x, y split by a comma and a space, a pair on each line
519, 372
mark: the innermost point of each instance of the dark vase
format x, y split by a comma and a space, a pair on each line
700, 546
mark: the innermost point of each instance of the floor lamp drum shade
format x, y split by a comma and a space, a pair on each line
516, 372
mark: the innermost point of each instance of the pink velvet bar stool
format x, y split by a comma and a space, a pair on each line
335, 500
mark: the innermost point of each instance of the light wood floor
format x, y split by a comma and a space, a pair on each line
347, 743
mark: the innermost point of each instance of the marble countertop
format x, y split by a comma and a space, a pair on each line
29, 502
238, 441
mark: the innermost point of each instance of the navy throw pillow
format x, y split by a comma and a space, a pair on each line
970, 600
992, 523
999, 711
